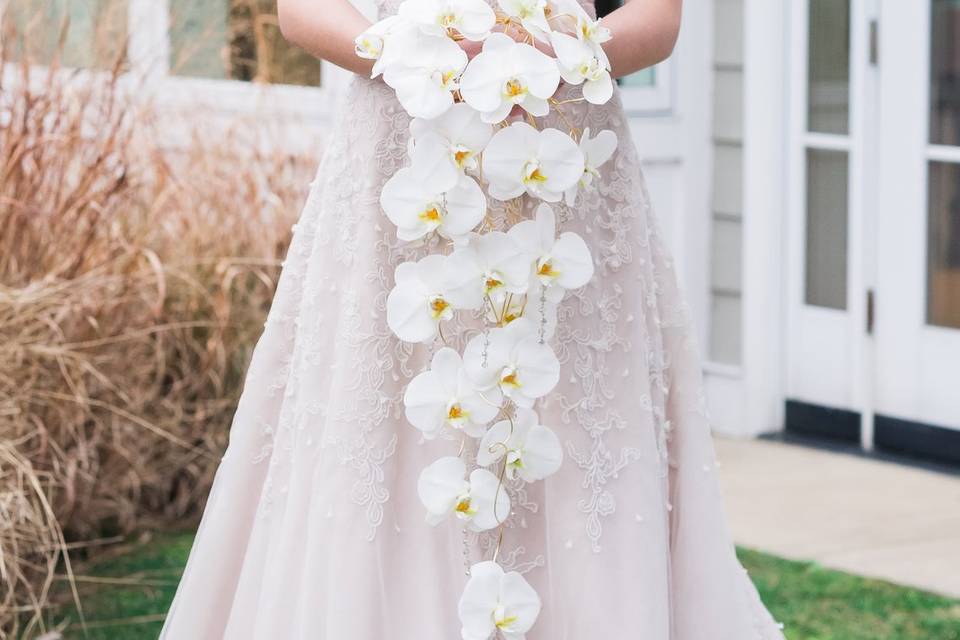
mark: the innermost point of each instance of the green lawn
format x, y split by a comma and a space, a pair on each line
126, 594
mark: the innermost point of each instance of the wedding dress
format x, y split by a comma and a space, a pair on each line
313, 528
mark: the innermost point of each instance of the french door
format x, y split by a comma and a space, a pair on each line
918, 232
873, 232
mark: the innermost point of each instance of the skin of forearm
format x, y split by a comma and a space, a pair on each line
325, 29
644, 33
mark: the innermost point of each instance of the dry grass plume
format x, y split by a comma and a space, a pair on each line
133, 283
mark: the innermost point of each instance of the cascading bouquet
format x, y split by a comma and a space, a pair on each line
475, 123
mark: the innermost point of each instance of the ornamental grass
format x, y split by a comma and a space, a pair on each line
134, 280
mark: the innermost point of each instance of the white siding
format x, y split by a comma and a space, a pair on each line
727, 193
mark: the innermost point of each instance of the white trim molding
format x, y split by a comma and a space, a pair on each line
766, 117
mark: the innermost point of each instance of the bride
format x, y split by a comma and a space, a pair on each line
475, 411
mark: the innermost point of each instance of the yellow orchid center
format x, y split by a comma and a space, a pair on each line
546, 270
506, 622
456, 414
462, 156
501, 619
447, 19
492, 283
446, 78
431, 215
370, 47
439, 308
463, 507
514, 88
532, 173
509, 378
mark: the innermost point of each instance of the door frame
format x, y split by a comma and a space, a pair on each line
829, 353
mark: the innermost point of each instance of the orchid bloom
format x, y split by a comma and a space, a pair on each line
519, 159
424, 71
417, 303
513, 360
490, 265
444, 398
480, 502
596, 151
508, 73
382, 41
558, 263
533, 451
447, 146
579, 64
417, 209
497, 601
532, 15
586, 29
472, 19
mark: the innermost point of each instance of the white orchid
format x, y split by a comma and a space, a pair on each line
417, 303
579, 64
519, 159
382, 41
424, 71
492, 264
508, 73
596, 151
533, 451
444, 398
532, 15
369, 44
495, 600
447, 146
417, 208
473, 19
587, 30
558, 263
513, 360
480, 502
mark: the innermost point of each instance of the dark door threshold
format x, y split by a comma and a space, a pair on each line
899, 441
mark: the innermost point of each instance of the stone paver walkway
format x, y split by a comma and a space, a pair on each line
862, 516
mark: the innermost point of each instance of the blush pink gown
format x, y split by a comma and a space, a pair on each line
313, 529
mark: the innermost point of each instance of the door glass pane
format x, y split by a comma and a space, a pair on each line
828, 84
826, 234
943, 246
945, 73
96, 31
236, 40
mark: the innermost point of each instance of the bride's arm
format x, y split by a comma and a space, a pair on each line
644, 33
325, 28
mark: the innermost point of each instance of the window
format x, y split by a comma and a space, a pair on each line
235, 40
827, 143
93, 31
943, 212
214, 39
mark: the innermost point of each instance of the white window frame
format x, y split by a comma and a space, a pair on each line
150, 50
